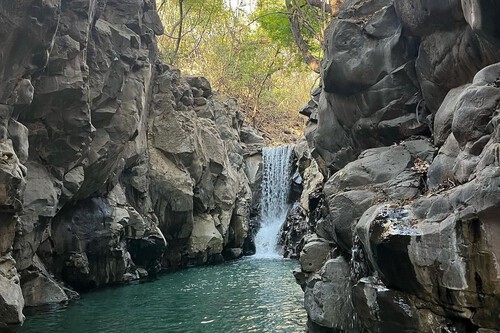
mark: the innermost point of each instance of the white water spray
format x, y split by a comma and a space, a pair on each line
274, 205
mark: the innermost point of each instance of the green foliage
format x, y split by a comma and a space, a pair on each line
272, 18
252, 58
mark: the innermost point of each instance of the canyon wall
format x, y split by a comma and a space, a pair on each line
405, 133
112, 165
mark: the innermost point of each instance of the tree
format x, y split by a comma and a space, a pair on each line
187, 21
251, 57
305, 26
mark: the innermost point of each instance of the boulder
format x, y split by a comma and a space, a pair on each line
444, 115
205, 238
387, 310
345, 208
439, 55
314, 254
361, 108
480, 15
423, 18
327, 297
39, 288
292, 233
11, 297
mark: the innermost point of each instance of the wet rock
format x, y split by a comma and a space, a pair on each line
312, 182
87, 247
232, 253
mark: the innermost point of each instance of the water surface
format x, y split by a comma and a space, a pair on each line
248, 295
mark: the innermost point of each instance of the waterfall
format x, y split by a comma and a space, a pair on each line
274, 205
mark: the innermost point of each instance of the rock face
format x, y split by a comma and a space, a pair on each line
112, 165
406, 135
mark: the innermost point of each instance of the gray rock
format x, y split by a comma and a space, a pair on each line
444, 115
417, 221
326, 296
438, 57
250, 136
361, 108
314, 254
387, 310
39, 288
232, 253
312, 183
441, 170
475, 108
380, 165
366, 46
11, 297
345, 208
205, 237
423, 18
480, 15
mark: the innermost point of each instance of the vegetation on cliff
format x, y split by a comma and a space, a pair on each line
264, 53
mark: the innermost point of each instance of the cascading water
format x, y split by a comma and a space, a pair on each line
274, 198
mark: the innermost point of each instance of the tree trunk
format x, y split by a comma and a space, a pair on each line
308, 57
179, 33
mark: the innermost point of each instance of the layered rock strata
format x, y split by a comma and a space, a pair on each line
406, 134
112, 165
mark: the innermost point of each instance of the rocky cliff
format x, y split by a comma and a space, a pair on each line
112, 165
405, 132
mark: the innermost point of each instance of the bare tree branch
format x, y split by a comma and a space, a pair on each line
269, 72
204, 30
179, 34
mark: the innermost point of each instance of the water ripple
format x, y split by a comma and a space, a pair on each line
249, 295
